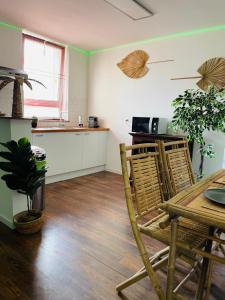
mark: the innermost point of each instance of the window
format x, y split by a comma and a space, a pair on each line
44, 61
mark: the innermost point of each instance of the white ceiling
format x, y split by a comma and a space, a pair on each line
92, 24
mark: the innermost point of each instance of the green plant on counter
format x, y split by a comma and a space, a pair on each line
26, 174
197, 112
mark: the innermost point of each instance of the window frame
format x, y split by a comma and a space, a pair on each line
42, 102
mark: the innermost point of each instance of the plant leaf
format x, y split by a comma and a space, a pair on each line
24, 142
5, 82
28, 84
11, 145
25, 176
7, 166
37, 82
6, 77
7, 155
14, 182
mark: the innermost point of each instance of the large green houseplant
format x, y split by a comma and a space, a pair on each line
25, 175
195, 113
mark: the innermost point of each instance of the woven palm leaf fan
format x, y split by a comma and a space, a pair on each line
134, 65
212, 73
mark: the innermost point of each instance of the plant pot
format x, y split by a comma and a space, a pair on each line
28, 224
34, 124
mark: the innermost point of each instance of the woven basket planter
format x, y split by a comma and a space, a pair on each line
25, 226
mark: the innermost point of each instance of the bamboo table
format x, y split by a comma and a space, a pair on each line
192, 204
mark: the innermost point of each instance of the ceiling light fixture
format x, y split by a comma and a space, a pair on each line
134, 9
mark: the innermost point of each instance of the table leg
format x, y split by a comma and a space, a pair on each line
205, 269
172, 260
208, 286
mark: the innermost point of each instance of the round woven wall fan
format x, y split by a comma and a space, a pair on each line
134, 65
212, 73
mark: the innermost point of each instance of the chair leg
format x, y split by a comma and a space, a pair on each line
153, 277
172, 260
182, 282
206, 272
142, 273
200, 290
136, 277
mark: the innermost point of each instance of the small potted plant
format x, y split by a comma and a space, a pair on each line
25, 176
34, 122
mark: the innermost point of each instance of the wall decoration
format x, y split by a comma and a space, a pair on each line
134, 65
18, 81
212, 73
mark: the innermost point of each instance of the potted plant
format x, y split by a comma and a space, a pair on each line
198, 111
25, 175
34, 122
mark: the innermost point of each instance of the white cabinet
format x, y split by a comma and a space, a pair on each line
94, 149
64, 151
72, 151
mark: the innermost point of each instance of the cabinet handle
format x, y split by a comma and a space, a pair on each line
87, 133
38, 135
77, 133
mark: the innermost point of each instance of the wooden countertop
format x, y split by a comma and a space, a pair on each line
66, 129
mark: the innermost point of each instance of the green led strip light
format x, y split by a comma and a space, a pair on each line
137, 43
162, 38
85, 52
10, 26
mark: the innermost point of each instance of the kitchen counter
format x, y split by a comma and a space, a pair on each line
66, 129
72, 151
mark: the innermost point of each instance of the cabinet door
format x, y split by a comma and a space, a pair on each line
64, 151
94, 149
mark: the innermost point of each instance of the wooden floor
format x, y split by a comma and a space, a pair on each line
86, 247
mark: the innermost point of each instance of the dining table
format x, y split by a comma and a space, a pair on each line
193, 204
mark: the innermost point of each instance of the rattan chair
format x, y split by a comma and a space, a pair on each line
143, 197
177, 167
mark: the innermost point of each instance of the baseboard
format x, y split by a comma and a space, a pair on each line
114, 171
70, 175
7, 222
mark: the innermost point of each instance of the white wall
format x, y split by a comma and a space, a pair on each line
11, 55
113, 97
77, 86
